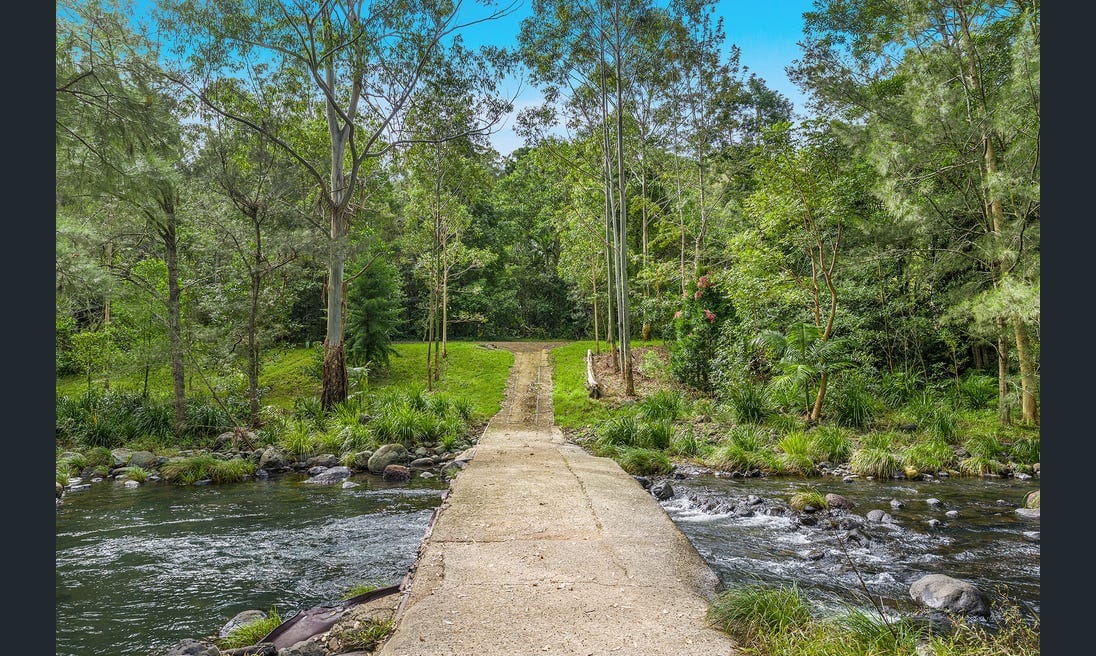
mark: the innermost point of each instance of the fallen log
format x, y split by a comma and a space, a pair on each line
592, 385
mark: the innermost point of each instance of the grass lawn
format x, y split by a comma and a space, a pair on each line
475, 373
571, 403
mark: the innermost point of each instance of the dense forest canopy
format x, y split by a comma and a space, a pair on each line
282, 173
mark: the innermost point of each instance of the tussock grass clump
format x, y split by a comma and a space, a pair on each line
684, 443
898, 388
880, 463
360, 589
869, 634
829, 444
930, 455
938, 419
252, 632
749, 401
985, 453
796, 453
980, 466
98, 456
804, 498
297, 439
978, 391
620, 431
752, 611
852, 404
134, 473
643, 462
783, 422
62, 474
231, 471
367, 636
664, 405
205, 466
747, 447
655, 434
1025, 450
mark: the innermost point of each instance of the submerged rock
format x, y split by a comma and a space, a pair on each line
952, 514
349, 484
330, 476
946, 593
896, 504
838, 501
662, 490
1028, 513
878, 516
1031, 535
396, 474
934, 502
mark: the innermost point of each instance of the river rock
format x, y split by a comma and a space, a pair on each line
934, 523
1031, 535
422, 463
350, 484
1032, 499
330, 476
396, 474
838, 501
1028, 513
262, 474
143, 459
310, 647
945, 593
848, 479
60, 489
896, 504
952, 514
878, 516
934, 502
426, 474
121, 457
241, 618
360, 461
132, 484
318, 469
466, 455
323, 460
204, 481
191, 647
273, 459
1021, 476
261, 649
421, 451
388, 454
662, 490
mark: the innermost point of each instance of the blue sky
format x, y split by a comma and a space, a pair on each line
766, 32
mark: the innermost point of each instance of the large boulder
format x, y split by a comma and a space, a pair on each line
241, 618
945, 593
143, 459
191, 647
121, 457
396, 474
323, 460
1032, 499
361, 460
330, 476
389, 454
273, 459
838, 501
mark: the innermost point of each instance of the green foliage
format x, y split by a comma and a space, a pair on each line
134, 473
796, 458
374, 303
829, 444
297, 439
684, 443
655, 434
187, 471
749, 401
980, 465
929, 455
812, 497
881, 463
663, 405
978, 390
1025, 450
360, 589
898, 388
368, 635
746, 448
748, 612
939, 419
852, 403
252, 632
620, 431
99, 456
643, 462
871, 635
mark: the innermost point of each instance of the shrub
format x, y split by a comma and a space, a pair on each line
880, 463
643, 462
749, 401
463, 408
655, 434
252, 632
664, 405
309, 409
204, 418
751, 611
804, 498
930, 455
829, 444
297, 439
783, 422
156, 418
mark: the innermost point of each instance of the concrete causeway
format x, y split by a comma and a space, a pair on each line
542, 548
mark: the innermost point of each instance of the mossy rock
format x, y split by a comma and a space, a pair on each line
1032, 499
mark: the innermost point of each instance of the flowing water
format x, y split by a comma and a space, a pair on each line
985, 545
140, 569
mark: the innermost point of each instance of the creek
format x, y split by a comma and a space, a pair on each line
139, 569
985, 544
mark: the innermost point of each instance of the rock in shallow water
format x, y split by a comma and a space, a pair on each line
838, 501
1028, 513
241, 618
946, 593
190, 647
662, 490
878, 516
396, 474
330, 476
